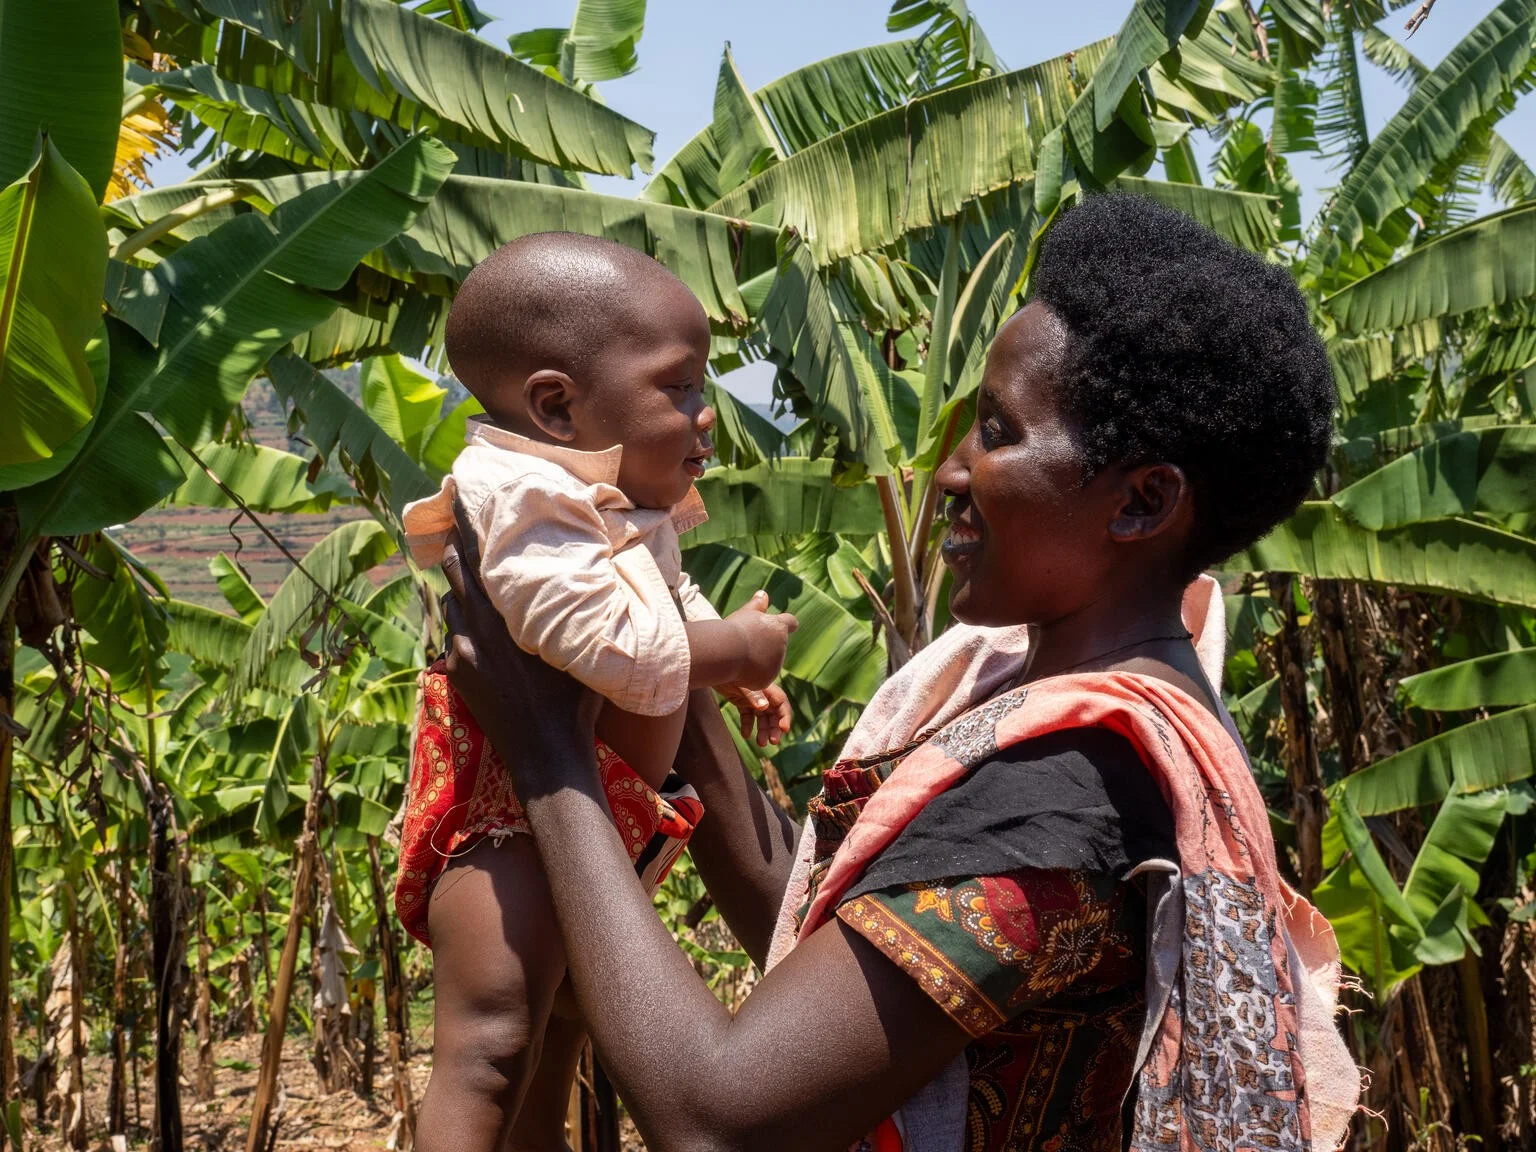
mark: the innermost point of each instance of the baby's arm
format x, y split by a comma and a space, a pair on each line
741, 656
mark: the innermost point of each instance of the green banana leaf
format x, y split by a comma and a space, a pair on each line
804, 106
403, 402
61, 72
1488, 262
236, 589
305, 593
263, 479
1485, 754
295, 738
832, 649
1457, 556
126, 625
53, 265
336, 426
955, 47
253, 119
1469, 86
1501, 169
235, 303
1247, 219
599, 44
1499, 680
833, 374
384, 60
472, 217
789, 497
209, 637
912, 167
742, 437
1488, 470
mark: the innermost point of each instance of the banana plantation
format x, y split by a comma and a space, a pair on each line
196, 794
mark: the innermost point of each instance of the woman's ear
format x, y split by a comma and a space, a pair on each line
1153, 499
549, 394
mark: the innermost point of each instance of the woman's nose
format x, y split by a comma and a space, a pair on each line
954, 475
705, 421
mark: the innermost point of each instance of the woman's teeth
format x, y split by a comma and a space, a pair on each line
961, 540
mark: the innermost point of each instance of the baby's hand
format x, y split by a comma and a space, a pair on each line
767, 711
763, 638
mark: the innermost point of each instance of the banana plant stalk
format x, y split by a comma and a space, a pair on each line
282, 988
395, 1018
8, 1085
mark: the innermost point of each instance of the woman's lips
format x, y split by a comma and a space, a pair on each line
695, 466
962, 541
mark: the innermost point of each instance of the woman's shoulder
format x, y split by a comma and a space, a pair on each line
1077, 799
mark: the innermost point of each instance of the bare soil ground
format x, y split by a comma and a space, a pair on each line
308, 1119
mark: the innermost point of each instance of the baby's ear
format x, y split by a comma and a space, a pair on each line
548, 395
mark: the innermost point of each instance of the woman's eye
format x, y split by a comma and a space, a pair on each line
992, 432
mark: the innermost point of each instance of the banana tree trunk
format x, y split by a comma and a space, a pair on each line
204, 1010
335, 1061
1308, 805
1340, 668
396, 1023
287, 966
8, 543
168, 946
117, 1091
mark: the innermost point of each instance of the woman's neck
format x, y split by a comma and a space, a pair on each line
1108, 632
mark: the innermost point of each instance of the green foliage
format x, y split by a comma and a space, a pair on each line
53, 254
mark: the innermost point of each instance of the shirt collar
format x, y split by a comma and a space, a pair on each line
589, 467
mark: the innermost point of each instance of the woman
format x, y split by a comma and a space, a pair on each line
973, 965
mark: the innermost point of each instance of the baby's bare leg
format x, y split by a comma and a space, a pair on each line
540, 1125
497, 961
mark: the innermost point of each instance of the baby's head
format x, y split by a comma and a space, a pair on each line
573, 340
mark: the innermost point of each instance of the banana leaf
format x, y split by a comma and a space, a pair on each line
1484, 754
53, 263
384, 60
263, 479
1486, 263
1469, 85
804, 106
832, 649
61, 72
789, 497
1488, 470
126, 626
1457, 556
336, 426
235, 303
1499, 680
308, 592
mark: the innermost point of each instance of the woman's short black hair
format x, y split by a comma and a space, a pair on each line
1184, 349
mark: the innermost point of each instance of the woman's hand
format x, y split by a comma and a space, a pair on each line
538, 718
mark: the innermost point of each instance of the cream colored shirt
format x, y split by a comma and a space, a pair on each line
583, 578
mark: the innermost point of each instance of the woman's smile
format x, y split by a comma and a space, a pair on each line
963, 542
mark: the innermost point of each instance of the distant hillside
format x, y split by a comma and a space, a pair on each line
178, 543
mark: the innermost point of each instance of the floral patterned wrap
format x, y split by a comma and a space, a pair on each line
460, 792
1240, 1049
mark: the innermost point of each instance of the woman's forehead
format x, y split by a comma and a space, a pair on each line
1025, 357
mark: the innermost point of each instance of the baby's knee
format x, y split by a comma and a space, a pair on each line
493, 1052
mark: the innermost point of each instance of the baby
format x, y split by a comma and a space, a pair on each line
589, 360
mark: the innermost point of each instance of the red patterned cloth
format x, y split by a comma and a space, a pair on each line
460, 792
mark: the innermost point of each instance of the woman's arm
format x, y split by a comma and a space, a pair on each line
829, 1043
744, 847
